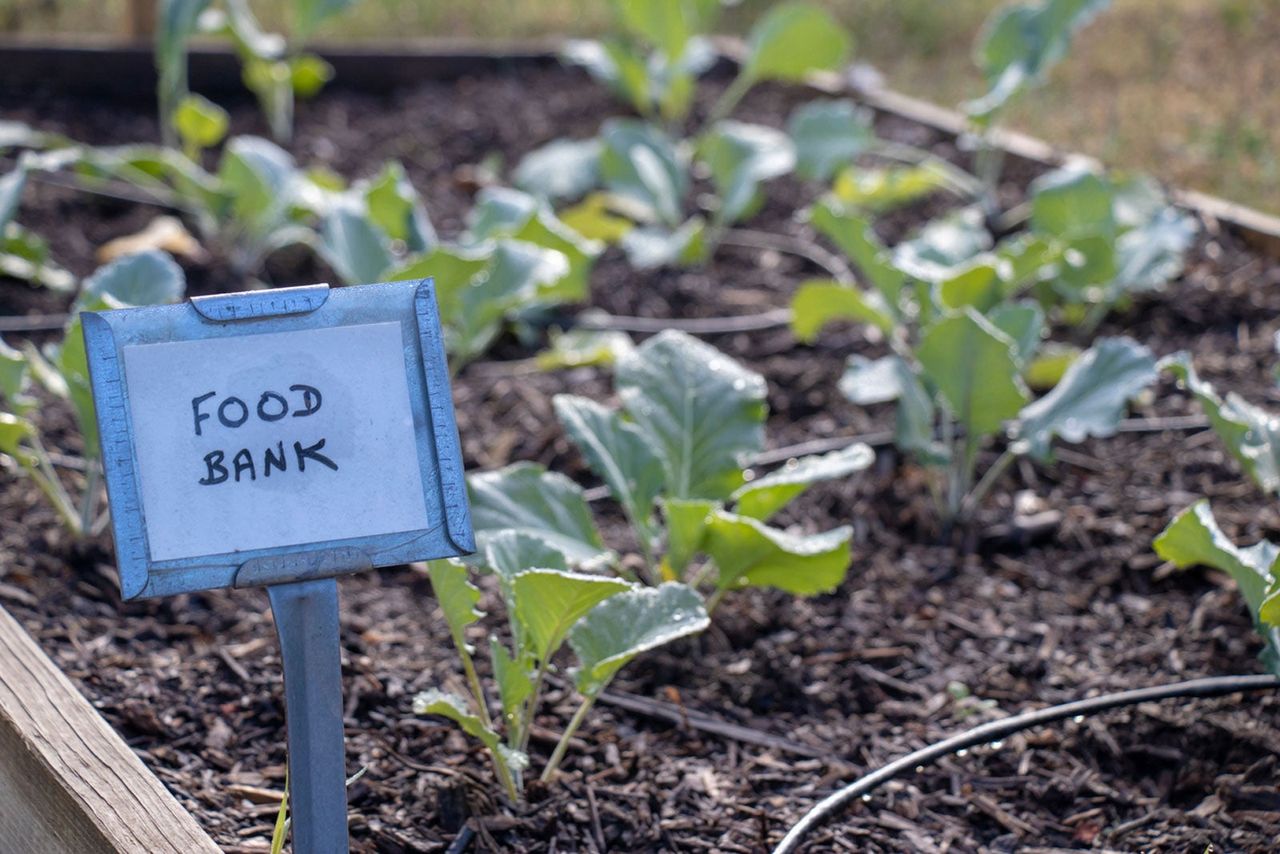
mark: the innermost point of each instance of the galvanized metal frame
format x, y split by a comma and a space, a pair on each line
281, 310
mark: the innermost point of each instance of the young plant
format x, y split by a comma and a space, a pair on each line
1017, 47
962, 345
256, 203
1193, 538
690, 421
24, 255
62, 370
606, 621
515, 259
1116, 239
274, 74
636, 175
654, 62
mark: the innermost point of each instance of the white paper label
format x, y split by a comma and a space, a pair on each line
277, 439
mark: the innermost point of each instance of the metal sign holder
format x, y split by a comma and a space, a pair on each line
301, 581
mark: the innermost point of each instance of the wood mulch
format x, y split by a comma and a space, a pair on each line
721, 742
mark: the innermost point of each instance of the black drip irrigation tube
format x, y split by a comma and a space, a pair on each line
997, 730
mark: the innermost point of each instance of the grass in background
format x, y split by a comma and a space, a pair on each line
1180, 88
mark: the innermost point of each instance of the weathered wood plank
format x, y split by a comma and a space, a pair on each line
68, 782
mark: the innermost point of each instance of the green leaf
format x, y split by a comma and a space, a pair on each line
867, 382
629, 624
579, 348
458, 598
792, 40
14, 374
176, 25
914, 425
515, 685
617, 65
1047, 369
595, 219
1072, 201
510, 552
14, 134
271, 82
145, 278
11, 186
1019, 44
396, 208
942, 245
765, 496
821, 301
561, 169
1193, 538
501, 211
545, 505
972, 363
640, 163
1150, 256
656, 246
978, 282
749, 553
702, 412
667, 24
1091, 398
453, 707
740, 158
1023, 322
200, 122
1031, 258
72, 365
260, 178
855, 237
309, 14
616, 451
351, 243
887, 188
13, 430
829, 135
308, 74
453, 269
517, 276
1251, 434
686, 530
548, 603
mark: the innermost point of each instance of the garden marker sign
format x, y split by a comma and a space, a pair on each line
282, 438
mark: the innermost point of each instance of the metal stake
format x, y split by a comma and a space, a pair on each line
306, 616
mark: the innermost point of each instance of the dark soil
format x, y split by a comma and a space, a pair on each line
924, 639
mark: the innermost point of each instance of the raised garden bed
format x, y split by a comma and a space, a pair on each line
923, 639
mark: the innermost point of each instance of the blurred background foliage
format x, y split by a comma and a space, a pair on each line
1184, 89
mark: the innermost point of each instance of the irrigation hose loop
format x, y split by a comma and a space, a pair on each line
998, 730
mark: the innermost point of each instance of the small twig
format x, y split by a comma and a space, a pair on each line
774, 319
33, 322
833, 265
704, 722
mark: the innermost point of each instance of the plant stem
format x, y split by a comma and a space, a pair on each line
477, 688
730, 97
531, 706
958, 180
988, 163
714, 599
989, 478
500, 769
563, 744
50, 484
89, 500
831, 264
